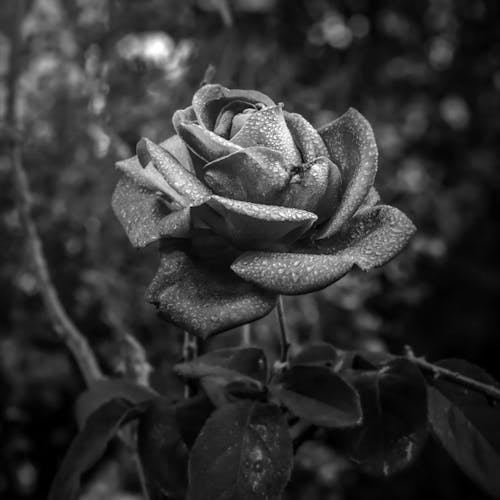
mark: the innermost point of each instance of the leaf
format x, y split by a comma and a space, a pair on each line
162, 451
90, 444
467, 424
318, 395
191, 415
394, 426
103, 391
218, 368
244, 452
248, 361
318, 354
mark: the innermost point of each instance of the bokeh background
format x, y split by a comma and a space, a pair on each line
97, 75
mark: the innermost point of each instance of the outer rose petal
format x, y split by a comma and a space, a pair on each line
372, 238
306, 137
144, 216
176, 147
250, 225
210, 99
267, 127
351, 144
185, 183
186, 115
255, 174
202, 298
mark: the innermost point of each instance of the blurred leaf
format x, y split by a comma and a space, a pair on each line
104, 391
467, 424
162, 451
191, 416
394, 428
244, 452
90, 444
318, 395
318, 353
217, 368
244, 389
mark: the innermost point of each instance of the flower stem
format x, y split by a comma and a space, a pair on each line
487, 390
189, 352
246, 334
284, 343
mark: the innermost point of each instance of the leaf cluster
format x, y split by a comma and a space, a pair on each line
236, 437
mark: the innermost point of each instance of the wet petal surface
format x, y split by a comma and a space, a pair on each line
144, 216
185, 183
267, 127
351, 145
306, 137
210, 99
316, 188
207, 145
201, 297
372, 238
251, 225
255, 174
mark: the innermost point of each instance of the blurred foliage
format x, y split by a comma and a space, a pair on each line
96, 76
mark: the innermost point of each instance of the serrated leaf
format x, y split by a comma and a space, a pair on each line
90, 444
467, 424
318, 395
162, 451
218, 368
244, 452
103, 391
394, 428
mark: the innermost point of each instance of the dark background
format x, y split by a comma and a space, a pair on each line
97, 75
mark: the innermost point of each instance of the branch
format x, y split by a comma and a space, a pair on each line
64, 327
284, 342
440, 372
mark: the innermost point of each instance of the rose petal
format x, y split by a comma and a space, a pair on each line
306, 137
186, 115
185, 183
255, 174
251, 225
144, 217
371, 199
372, 238
205, 144
202, 298
176, 147
351, 144
317, 189
224, 120
267, 127
210, 99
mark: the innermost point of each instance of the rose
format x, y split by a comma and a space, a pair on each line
250, 201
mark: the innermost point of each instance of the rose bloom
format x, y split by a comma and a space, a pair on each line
250, 201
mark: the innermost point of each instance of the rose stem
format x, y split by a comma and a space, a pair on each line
284, 343
246, 334
189, 352
441, 372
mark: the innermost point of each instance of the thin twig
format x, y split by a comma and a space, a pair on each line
141, 476
64, 327
284, 343
440, 372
